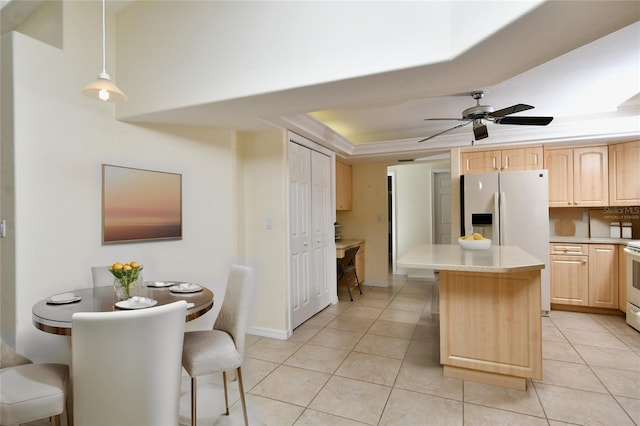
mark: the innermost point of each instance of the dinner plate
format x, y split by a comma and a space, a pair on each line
62, 299
161, 284
136, 303
185, 288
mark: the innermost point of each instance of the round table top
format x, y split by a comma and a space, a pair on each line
56, 318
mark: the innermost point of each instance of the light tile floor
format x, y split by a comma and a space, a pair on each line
375, 361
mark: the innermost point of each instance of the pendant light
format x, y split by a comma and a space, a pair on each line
103, 88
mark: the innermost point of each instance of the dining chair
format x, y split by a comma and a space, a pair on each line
126, 366
221, 349
347, 266
31, 391
101, 276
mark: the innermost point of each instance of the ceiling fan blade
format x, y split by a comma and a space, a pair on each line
444, 131
445, 119
525, 121
510, 110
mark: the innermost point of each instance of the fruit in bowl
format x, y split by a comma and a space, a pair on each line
474, 241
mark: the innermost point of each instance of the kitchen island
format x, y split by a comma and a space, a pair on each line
490, 311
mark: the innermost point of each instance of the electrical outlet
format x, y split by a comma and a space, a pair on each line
3, 228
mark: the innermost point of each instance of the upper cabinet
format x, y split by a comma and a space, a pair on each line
578, 177
624, 174
504, 160
343, 186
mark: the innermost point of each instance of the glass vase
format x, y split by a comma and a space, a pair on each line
125, 291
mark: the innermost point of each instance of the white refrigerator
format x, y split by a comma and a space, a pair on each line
512, 209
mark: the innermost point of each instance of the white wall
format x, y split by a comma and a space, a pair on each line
263, 175
60, 141
210, 51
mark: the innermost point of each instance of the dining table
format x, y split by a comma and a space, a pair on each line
54, 317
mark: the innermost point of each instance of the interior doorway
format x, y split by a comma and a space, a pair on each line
441, 180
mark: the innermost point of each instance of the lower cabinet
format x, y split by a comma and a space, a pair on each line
584, 275
360, 263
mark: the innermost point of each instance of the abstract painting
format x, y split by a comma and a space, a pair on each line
140, 205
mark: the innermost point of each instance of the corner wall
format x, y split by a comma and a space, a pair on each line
60, 141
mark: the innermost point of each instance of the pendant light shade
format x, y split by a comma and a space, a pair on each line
103, 88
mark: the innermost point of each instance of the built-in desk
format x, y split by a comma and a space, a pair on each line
341, 248
343, 245
490, 311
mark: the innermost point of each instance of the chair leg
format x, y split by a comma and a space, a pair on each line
193, 401
244, 403
226, 396
55, 420
358, 281
340, 278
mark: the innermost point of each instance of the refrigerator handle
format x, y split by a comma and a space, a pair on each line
503, 216
496, 218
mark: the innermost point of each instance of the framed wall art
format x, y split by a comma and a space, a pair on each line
140, 205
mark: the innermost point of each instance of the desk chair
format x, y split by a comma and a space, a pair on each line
29, 391
346, 267
126, 366
221, 349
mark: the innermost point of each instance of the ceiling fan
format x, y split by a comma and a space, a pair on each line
478, 113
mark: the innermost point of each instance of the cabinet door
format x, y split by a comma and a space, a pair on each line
559, 163
591, 176
343, 186
624, 174
360, 263
480, 162
569, 280
522, 159
603, 276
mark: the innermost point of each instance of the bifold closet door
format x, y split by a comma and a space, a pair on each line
309, 217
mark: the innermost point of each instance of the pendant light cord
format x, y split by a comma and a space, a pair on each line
104, 43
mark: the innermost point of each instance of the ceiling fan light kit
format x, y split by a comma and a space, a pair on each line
103, 88
476, 114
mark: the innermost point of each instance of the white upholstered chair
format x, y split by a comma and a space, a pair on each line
221, 349
126, 366
101, 276
29, 391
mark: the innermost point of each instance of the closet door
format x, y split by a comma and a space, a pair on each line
300, 232
311, 232
322, 230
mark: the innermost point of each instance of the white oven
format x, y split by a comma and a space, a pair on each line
633, 284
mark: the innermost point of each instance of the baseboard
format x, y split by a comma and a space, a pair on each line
269, 332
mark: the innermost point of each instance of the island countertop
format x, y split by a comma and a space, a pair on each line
452, 257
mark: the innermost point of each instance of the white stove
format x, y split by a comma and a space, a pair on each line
633, 283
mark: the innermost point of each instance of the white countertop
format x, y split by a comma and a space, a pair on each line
442, 257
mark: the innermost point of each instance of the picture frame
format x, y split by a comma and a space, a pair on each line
140, 205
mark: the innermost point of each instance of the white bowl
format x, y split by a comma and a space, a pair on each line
475, 244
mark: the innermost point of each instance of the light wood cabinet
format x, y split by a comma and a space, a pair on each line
584, 275
505, 160
360, 263
603, 276
578, 177
569, 274
624, 174
343, 186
